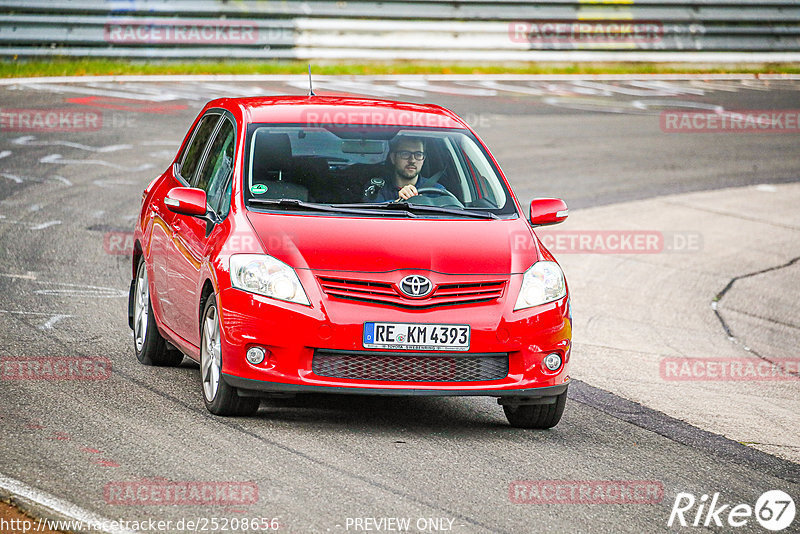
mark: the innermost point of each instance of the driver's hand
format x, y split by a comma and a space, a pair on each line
407, 192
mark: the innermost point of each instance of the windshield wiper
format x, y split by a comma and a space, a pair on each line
293, 203
411, 207
407, 208
287, 203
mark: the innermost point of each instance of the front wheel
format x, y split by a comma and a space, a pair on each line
151, 348
220, 398
536, 415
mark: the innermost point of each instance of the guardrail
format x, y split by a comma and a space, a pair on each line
410, 29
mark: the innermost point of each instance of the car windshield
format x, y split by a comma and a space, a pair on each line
360, 169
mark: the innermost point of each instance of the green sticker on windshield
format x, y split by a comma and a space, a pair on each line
258, 189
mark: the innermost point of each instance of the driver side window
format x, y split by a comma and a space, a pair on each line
214, 176
194, 151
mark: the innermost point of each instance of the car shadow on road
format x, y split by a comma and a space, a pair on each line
383, 413
365, 409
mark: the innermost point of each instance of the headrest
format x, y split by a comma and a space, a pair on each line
271, 152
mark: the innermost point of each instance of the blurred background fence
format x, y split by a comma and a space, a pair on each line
436, 30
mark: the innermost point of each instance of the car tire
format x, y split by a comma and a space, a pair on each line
150, 346
536, 415
219, 397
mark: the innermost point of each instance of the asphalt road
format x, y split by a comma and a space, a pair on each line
320, 463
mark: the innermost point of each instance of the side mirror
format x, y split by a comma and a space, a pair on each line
545, 211
187, 201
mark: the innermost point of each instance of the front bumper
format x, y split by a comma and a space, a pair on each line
292, 333
248, 387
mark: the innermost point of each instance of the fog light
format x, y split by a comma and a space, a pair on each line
255, 355
552, 361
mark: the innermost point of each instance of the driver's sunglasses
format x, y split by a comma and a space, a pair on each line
406, 154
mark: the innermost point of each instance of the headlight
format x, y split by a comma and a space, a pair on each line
265, 275
542, 283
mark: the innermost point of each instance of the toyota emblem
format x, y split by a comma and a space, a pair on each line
415, 285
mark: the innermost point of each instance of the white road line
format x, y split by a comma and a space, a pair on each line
99, 92
30, 275
61, 179
102, 293
5, 154
162, 154
424, 85
44, 225
31, 226
13, 177
717, 86
361, 87
521, 89
112, 183
30, 140
159, 143
766, 188
58, 159
42, 500
651, 107
20, 312
77, 290
66, 289
148, 94
631, 90
669, 88
48, 324
387, 77
19, 179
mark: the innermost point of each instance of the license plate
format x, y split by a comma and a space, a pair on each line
409, 336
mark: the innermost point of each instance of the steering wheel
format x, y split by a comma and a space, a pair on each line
435, 191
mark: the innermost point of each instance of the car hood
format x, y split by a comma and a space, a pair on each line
463, 246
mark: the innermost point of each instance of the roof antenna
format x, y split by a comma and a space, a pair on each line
310, 87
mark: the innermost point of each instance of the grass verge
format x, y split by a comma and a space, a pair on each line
15, 68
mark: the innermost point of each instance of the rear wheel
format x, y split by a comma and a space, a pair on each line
220, 398
151, 348
536, 415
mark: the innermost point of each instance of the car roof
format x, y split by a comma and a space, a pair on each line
340, 110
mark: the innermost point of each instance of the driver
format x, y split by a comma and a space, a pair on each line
406, 155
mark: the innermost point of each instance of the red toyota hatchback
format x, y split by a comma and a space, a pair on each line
348, 245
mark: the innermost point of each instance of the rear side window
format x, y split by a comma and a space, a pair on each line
194, 152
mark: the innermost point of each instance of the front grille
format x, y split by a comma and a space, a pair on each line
450, 294
410, 367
